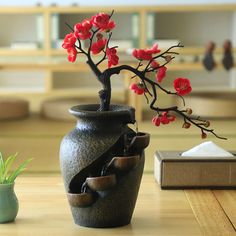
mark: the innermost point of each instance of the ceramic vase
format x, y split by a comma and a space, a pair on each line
100, 184
8, 203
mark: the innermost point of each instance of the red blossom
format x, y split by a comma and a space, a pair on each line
102, 22
145, 54
161, 73
154, 49
112, 57
137, 88
182, 86
98, 46
142, 54
72, 54
163, 118
82, 30
154, 64
69, 41
156, 121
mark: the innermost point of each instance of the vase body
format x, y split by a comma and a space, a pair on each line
8, 203
96, 139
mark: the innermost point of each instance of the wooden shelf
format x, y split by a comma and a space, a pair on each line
191, 8
119, 9
89, 9
21, 52
63, 92
85, 92
21, 90
198, 51
22, 10
61, 64
51, 60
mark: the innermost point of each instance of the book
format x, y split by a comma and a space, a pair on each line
173, 171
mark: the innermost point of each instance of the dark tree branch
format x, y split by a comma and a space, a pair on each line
163, 53
69, 26
154, 85
150, 86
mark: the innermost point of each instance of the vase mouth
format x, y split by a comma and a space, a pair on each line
91, 111
7, 185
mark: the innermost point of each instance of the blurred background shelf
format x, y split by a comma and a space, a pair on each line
38, 72
43, 27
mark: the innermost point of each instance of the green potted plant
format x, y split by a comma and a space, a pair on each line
8, 201
101, 186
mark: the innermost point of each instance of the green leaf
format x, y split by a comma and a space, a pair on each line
8, 164
16, 172
2, 168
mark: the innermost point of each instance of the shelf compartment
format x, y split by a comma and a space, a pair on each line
188, 26
84, 84
17, 82
19, 35
5, 51
125, 28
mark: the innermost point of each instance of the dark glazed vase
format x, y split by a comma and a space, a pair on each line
99, 194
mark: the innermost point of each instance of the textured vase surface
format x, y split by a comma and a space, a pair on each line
8, 203
85, 151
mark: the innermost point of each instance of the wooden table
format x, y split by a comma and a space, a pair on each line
44, 211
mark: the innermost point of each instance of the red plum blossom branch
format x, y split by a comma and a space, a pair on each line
97, 31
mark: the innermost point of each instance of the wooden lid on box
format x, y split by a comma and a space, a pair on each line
13, 108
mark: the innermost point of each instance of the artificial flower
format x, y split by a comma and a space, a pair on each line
156, 121
154, 49
161, 73
137, 88
72, 54
182, 86
82, 30
164, 118
102, 22
145, 54
98, 46
142, 54
69, 41
154, 64
112, 57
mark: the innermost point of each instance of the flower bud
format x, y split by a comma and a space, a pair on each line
207, 123
189, 111
186, 125
168, 58
204, 135
99, 36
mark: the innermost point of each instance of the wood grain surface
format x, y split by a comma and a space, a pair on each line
44, 211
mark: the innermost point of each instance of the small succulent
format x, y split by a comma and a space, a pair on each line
6, 175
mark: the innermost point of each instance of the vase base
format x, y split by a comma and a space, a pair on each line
109, 224
7, 221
